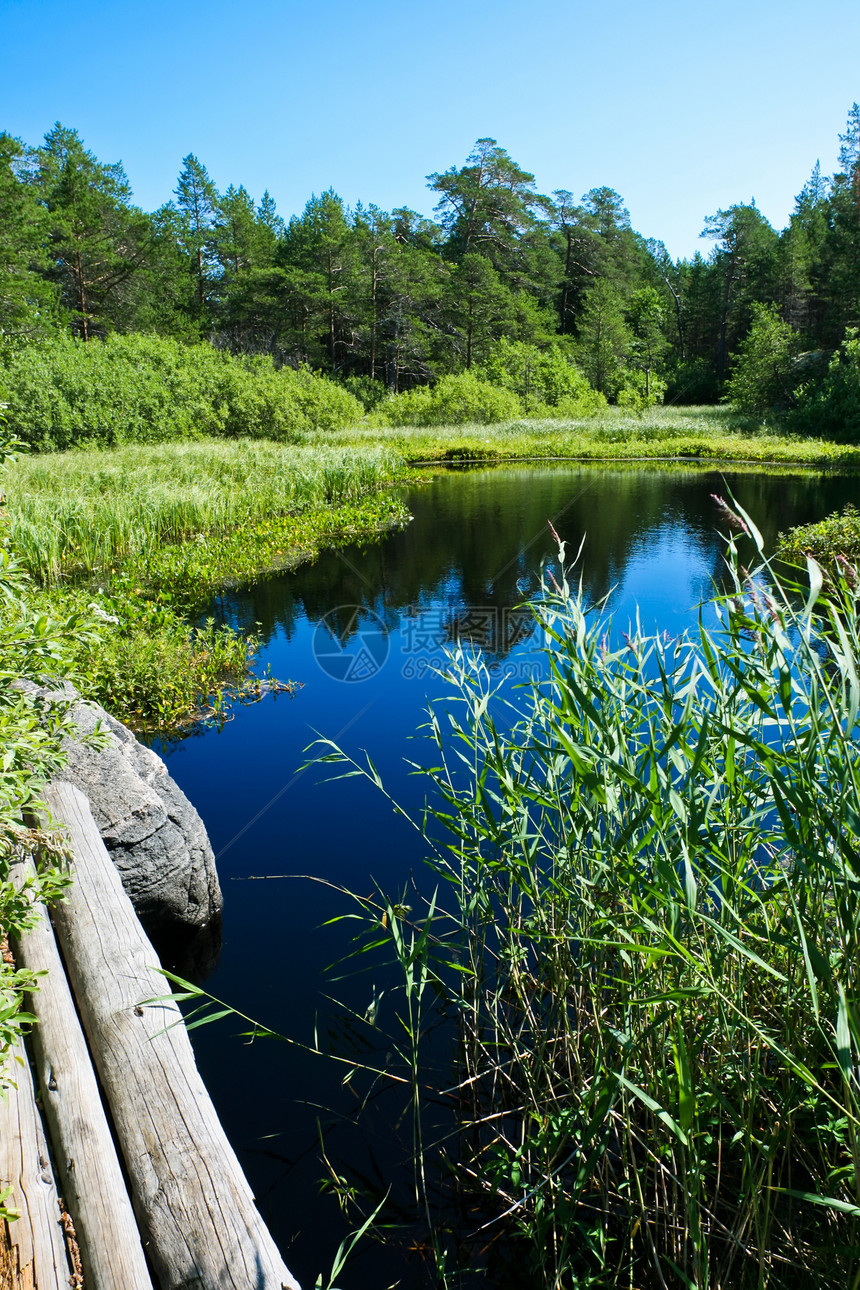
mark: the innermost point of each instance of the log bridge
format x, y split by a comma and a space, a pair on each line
152, 1190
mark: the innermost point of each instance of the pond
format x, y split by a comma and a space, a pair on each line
362, 630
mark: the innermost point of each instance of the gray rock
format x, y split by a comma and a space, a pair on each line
154, 835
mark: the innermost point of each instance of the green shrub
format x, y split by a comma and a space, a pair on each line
837, 536
637, 393
692, 381
324, 404
832, 407
369, 392
149, 389
762, 375
453, 400
546, 381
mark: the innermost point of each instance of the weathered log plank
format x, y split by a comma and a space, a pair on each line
94, 1189
194, 1207
35, 1257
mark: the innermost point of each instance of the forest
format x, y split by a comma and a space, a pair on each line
386, 301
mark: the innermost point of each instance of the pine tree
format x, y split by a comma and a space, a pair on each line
318, 255
746, 263
245, 243
197, 203
487, 205
98, 240
28, 303
603, 339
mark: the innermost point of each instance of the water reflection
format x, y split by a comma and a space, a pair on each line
462, 567
477, 541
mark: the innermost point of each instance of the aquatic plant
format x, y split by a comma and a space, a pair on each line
644, 935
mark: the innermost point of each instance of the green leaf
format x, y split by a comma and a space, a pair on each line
686, 1093
825, 1202
816, 582
664, 1116
843, 1038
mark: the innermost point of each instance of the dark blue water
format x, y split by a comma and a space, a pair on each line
388, 612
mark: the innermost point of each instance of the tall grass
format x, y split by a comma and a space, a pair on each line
646, 930
82, 511
709, 433
162, 527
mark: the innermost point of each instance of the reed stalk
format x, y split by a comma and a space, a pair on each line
646, 930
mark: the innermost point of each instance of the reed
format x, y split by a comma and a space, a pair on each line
646, 928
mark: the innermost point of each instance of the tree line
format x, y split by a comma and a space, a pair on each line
390, 300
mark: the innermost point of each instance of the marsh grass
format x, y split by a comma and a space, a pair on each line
170, 523
149, 534
84, 511
646, 929
710, 433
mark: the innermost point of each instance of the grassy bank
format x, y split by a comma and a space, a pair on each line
91, 512
143, 536
683, 433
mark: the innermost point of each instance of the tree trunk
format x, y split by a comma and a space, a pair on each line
469, 330
724, 320
678, 317
82, 297
193, 1203
93, 1186
374, 277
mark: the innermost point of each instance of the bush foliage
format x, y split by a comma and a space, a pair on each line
148, 389
832, 407
762, 375
835, 538
546, 381
515, 379
454, 400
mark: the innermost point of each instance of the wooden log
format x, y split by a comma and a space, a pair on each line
195, 1210
94, 1189
35, 1256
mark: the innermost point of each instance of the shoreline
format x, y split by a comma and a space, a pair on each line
158, 670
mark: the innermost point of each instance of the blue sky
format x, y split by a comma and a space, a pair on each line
681, 107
